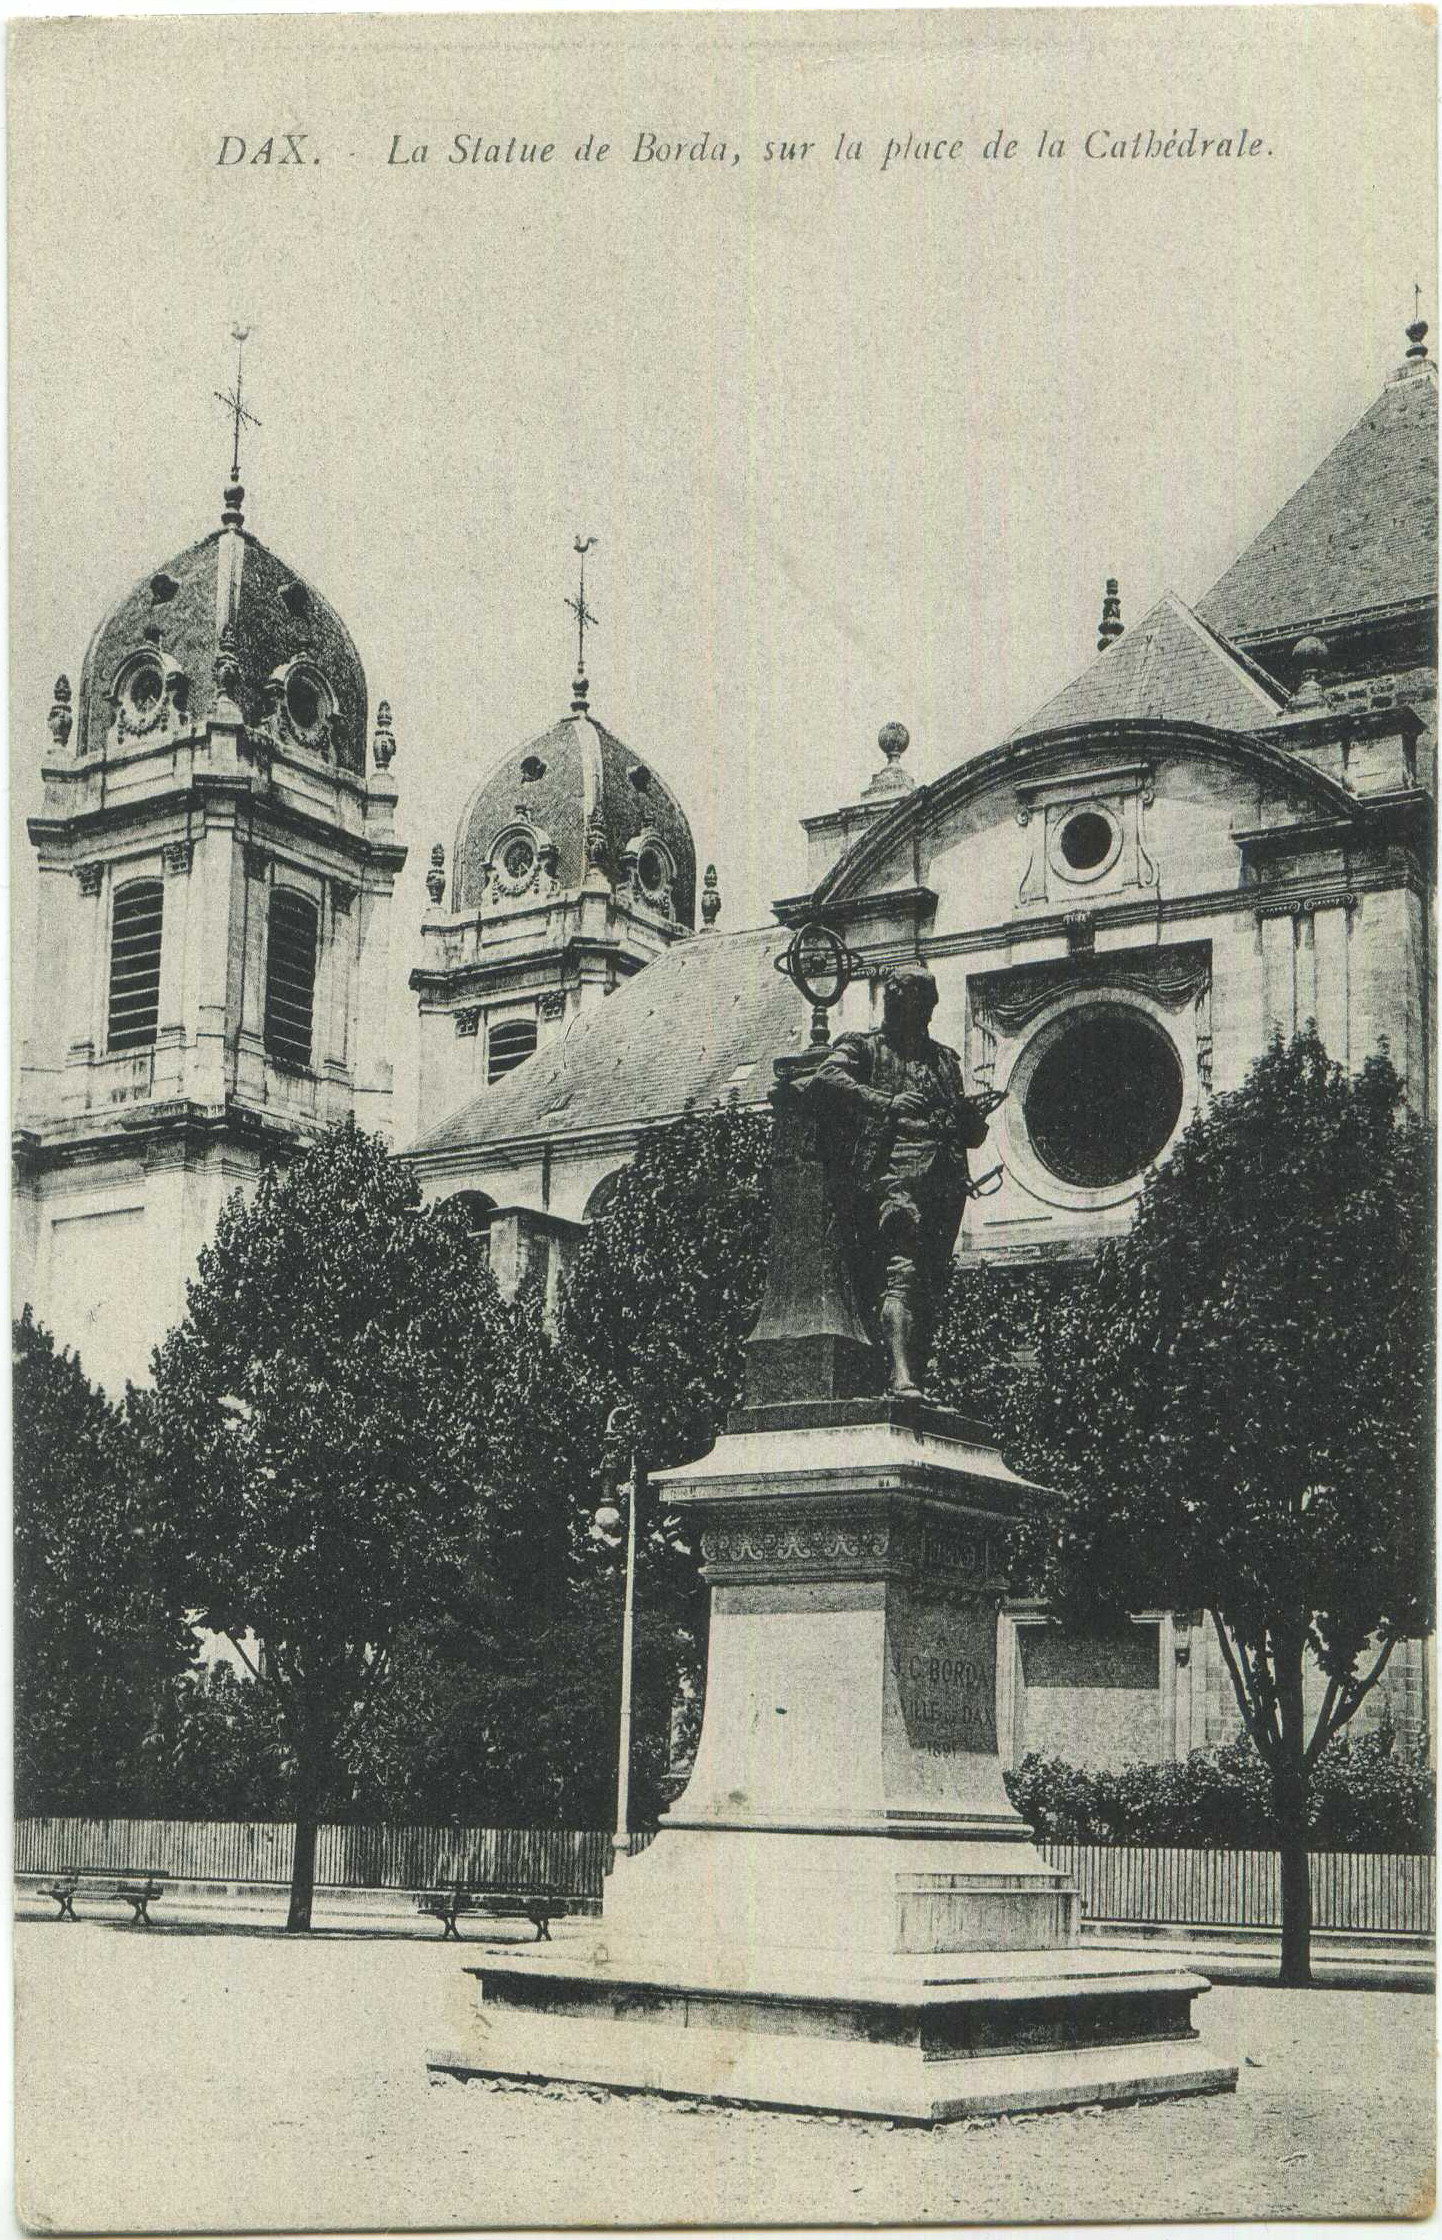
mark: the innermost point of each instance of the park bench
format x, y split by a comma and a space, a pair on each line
139, 1896
62, 1890
539, 1907
71, 1884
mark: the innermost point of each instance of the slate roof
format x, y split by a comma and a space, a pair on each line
683, 1029
230, 570
1361, 532
1168, 666
560, 781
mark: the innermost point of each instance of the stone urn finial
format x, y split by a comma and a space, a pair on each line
383, 746
710, 897
61, 716
1111, 622
436, 876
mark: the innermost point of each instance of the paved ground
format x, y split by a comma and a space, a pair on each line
213, 2075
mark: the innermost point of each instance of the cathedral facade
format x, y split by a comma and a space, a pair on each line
1220, 830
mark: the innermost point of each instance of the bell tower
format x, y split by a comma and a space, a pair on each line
216, 856
573, 868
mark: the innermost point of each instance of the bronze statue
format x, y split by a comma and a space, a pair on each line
898, 1127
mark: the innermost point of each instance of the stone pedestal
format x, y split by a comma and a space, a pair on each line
844, 1910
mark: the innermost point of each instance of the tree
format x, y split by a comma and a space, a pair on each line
663, 1291
1234, 1407
503, 1704
95, 1637
325, 1439
668, 1278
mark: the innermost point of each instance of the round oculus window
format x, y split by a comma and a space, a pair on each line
1103, 1098
1087, 840
516, 863
305, 702
653, 871
143, 687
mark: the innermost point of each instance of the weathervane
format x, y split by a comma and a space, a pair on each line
580, 609
234, 399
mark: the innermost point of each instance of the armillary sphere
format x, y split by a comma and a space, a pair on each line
820, 967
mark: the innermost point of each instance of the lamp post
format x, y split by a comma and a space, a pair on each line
608, 1517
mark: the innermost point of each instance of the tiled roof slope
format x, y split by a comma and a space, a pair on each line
1361, 532
1171, 666
268, 633
681, 1030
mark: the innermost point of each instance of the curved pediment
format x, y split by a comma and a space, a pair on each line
1246, 780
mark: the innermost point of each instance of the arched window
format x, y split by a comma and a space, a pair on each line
509, 1044
600, 1199
290, 977
478, 1209
135, 964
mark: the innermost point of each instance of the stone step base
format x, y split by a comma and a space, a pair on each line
924, 2040
829, 2076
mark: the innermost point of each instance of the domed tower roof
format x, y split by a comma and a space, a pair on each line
577, 779
225, 620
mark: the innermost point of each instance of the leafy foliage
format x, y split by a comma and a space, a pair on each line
1364, 1797
988, 1332
668, 1280
95, 1634
215, 1749
1233, 1404
346, 1426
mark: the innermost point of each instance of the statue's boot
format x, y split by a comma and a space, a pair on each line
899, 1327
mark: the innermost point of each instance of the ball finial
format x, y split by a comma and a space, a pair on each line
893, 740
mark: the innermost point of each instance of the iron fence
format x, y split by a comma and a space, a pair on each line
1388, 1892
573, 1861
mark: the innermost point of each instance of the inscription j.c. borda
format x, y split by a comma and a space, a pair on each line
946, 1674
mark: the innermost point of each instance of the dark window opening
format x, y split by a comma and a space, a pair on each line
653, 871
478, 1210
1086, 840
1104, 1099
510, 1044
303, 698
290, 977
135, 964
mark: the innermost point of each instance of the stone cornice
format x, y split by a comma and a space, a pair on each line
142, 1130
1016, 933
915, 903
1329, 625
838, 1539
261, 815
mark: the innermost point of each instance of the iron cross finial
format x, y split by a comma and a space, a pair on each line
580, 609
234, 399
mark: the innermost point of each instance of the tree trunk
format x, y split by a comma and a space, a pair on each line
1291, 1783
1296, 1910
312, 1762
302, 1868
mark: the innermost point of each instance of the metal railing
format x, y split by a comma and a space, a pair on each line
1386, 1892
573, 1861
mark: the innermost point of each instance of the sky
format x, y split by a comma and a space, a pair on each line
857, 443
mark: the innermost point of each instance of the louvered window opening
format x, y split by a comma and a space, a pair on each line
290, 978
135, 965
511, 1043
